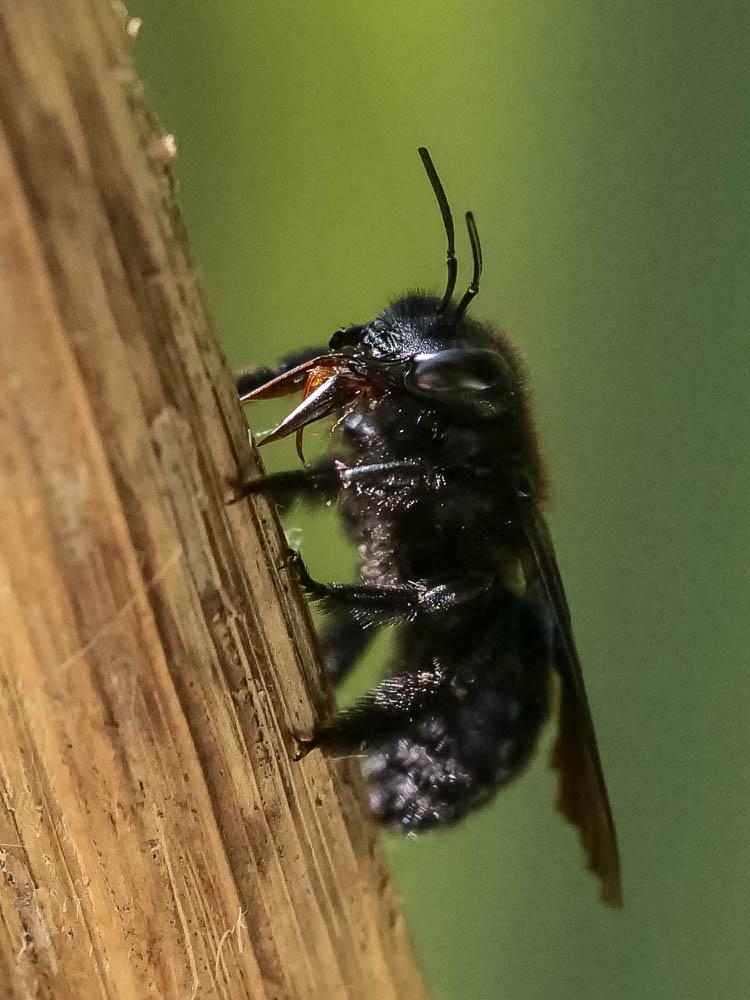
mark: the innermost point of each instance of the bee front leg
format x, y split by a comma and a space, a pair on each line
325, 479
318, 481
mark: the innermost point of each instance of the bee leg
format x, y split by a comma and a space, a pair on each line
320, 480
373, 605
367, 605
389, 708
324, 479
342, 643
253, 378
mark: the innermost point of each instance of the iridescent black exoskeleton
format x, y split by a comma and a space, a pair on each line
441, 490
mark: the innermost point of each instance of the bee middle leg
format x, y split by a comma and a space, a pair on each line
375, 605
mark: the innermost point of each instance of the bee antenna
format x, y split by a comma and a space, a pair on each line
476, 253
445, 212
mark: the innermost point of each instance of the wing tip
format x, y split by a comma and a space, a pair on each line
612, 896
604, 864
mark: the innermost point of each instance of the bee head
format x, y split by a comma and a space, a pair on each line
412, 348
421, 344
425, 345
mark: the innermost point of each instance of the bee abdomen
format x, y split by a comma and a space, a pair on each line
453, 761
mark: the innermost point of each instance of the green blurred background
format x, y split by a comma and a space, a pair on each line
604, 149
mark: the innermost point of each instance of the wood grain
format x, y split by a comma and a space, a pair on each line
156, 839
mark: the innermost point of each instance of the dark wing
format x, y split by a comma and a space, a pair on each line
582, 797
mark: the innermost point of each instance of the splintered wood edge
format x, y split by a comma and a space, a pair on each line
156, 838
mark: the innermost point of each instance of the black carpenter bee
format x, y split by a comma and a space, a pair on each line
442, 490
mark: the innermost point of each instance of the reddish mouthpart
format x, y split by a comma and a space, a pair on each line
328, 383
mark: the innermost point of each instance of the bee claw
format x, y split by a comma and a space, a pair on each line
237, 489
294, 562
302, 747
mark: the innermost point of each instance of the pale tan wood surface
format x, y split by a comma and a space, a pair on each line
156, 839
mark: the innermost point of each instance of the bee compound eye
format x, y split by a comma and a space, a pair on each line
455, 371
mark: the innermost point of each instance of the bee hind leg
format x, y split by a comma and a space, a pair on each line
383, 711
